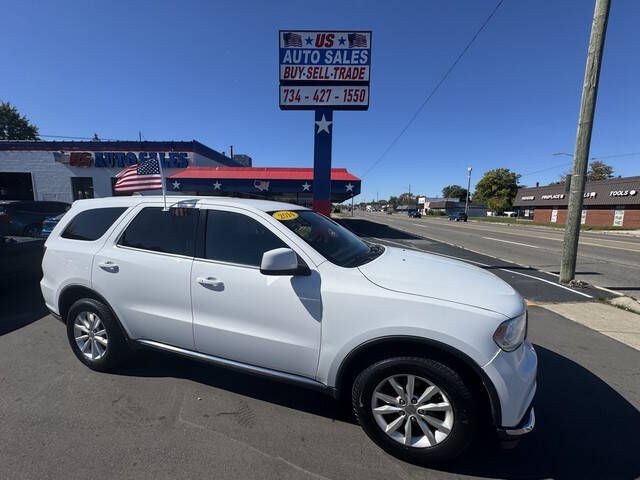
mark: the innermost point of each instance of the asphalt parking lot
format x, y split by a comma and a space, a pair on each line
168, 417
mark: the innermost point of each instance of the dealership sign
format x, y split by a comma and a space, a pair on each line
324, 69
120, 159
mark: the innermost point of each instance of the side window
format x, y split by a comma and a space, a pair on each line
91, 224
236, 238
172, 231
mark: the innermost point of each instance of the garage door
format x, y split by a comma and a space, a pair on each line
16, 186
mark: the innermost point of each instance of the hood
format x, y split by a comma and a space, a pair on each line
434, 276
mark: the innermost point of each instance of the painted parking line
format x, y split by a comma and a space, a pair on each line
486, 265
508, 241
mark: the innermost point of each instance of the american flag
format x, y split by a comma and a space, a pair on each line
292, 40
142, 176
357, 40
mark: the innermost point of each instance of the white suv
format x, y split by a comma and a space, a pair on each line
424, 346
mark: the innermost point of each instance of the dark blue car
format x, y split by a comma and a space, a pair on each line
24, 218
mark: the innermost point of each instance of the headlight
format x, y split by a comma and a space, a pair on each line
511, 333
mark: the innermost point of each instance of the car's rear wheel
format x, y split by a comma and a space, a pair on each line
95, 335
416, 409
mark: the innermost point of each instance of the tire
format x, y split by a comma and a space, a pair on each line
460, 416
102, 356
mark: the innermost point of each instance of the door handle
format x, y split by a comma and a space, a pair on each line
210, 282
108, 266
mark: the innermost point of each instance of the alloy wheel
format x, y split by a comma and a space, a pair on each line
90, 335
412, 410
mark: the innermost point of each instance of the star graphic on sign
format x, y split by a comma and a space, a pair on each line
323, 125
306, 187
176, 185
349, 187
307, 40
217, 185
341, 40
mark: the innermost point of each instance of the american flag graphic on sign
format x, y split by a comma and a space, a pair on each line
357, 40
292, 39
142, 176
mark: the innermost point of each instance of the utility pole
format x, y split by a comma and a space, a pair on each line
466, 200
583, 140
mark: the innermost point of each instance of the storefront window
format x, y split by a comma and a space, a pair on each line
81, 187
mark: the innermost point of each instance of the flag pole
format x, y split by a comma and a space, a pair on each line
164, 190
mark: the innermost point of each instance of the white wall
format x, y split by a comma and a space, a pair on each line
52, 180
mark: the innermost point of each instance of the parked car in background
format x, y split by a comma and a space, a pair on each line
458, 217
426, 360
48, 224
415, 213
24, 217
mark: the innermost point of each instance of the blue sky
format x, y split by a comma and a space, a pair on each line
208, 71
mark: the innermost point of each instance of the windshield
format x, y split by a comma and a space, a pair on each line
331, 240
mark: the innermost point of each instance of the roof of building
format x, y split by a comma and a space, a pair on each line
614, 191
117, 146
263, 173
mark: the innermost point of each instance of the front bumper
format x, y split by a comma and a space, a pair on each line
513, 375
527, 425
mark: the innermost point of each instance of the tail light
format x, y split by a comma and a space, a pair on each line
4, 217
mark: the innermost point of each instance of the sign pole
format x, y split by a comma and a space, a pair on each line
323, 132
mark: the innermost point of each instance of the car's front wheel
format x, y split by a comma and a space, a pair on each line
416, 409
95, 335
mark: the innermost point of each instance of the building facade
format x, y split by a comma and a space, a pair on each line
68, 171
607, 203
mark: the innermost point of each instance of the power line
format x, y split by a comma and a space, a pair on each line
435, 89
597, 157
66, 137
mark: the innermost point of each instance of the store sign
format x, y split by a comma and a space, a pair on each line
622, 193
556, 196
590, 194
530, 197
120, 159
324, 69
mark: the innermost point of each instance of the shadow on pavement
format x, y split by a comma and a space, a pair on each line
585, 429
152, 363
21, 304
365, 228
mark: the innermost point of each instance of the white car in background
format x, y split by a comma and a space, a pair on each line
425, 347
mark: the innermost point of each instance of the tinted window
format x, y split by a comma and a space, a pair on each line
236, 238
91, 224
172, 231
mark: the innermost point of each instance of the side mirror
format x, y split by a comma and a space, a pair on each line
282, 261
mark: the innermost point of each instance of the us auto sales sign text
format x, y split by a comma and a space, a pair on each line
315, 63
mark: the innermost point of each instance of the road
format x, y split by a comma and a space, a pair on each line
607, 260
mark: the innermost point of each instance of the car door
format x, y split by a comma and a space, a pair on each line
240, 314
144, 270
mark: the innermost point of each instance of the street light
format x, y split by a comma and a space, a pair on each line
466, 200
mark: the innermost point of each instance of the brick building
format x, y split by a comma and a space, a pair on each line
607, 203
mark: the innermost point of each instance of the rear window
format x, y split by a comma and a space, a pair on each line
170, 231
92, 224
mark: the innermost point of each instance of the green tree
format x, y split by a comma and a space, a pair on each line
598, 170
497, 188
455, 191
14, 126
407, 198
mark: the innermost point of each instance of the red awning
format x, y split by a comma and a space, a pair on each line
263, 173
